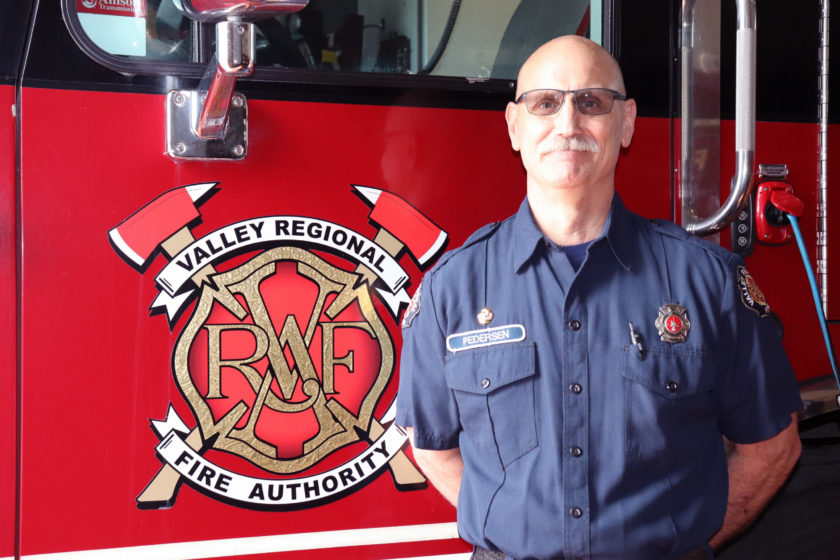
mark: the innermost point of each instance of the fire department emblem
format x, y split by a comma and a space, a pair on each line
751, 295
284, 361
672, 323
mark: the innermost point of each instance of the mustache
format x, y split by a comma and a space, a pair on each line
568, 144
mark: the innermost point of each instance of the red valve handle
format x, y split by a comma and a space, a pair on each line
787, 203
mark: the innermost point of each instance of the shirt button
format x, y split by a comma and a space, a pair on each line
576, 388
485, 383
672, 386
576, 451
574, 324
576, 512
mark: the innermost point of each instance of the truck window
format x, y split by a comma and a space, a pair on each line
473, 39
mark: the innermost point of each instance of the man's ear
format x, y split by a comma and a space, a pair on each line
511, 113
629, 122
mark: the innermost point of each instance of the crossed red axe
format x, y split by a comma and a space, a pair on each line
164, 223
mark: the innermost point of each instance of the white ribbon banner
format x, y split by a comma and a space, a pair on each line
275, 230
278, 493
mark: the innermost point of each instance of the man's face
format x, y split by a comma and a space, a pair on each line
570, 65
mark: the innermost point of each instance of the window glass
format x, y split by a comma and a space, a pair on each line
461, 38
150, 29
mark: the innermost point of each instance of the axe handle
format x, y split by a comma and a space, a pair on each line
388, 242
161, 490
179, 241
403, 471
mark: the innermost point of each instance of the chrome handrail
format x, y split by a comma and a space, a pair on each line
742, 180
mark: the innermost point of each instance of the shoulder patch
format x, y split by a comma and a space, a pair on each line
413, 308
751, 296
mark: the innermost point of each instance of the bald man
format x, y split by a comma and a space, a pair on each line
567, 375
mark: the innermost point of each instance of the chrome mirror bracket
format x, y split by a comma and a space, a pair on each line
213, 124
183, 112
208, 124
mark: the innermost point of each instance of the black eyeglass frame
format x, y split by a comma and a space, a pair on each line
574, 92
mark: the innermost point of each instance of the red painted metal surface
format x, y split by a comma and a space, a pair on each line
96, 367
8, 324
779, 270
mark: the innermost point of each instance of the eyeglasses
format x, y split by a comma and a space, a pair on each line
589, 101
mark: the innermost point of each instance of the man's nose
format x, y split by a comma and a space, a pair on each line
567, 119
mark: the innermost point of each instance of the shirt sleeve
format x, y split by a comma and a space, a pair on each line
759, 390
424, 401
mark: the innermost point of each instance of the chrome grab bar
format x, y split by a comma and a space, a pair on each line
742, 181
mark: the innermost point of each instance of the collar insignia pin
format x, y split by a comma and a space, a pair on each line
672, 323
484, 316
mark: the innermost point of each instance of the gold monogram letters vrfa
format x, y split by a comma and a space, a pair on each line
337, 425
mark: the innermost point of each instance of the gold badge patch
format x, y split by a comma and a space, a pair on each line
751, 296
413, 308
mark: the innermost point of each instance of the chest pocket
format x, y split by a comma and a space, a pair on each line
669, 402
494, 388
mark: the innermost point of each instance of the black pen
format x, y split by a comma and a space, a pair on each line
636, 340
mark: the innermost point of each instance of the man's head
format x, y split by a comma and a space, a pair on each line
570, 149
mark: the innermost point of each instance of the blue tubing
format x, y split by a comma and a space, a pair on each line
797, 233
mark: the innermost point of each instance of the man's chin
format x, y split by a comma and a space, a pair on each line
563, 182
564, 172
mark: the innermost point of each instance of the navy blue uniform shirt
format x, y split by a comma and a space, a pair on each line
578, 439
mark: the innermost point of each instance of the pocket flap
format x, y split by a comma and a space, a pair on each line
671, 373
483, 370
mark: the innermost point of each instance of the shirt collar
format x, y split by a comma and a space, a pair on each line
527, 235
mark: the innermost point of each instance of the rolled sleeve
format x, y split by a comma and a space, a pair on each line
425, 402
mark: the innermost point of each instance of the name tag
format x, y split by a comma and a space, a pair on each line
485, 337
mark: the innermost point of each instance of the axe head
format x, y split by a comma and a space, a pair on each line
422, 237
137, 237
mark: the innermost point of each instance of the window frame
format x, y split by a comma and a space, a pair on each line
133, 66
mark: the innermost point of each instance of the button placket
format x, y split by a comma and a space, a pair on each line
576, 428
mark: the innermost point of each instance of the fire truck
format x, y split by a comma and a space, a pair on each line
213, 214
